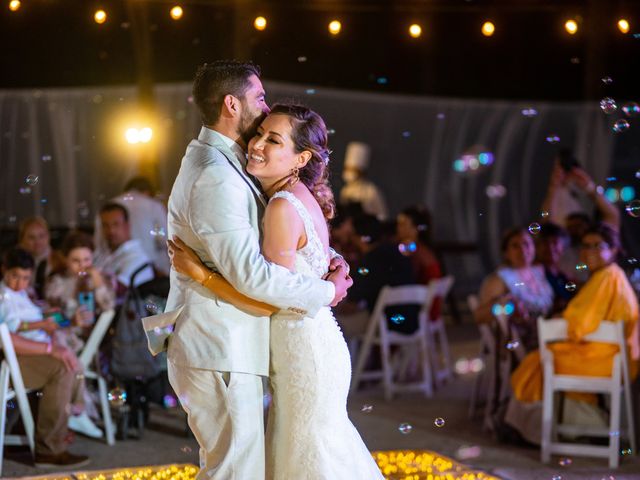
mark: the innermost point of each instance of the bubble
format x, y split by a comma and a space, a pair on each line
83, 210
97, 99
12, 219
608, 105
310, 91
117, 397
39, 394
534, 228
638, 174
43, 201
565, 462
556, 477
570, 287
626, 451
365, 238
382, 80
405, 428
46, 158
407, 249
25, 190
185, 449
366, 408
127, 198
513, 345
632, 261
518, 284
158, 231
331, 131
544, 214
363, 271
476, 365
441, 116
32, 179
468, 452
406, 134
190, 99
496, 191
631, 109
581, 267
607, 80
553, 138
529, 112
620, 125
615, 433
79, 376
633, 208
439, 422
462, 366
302, 59
397, 319
575, 60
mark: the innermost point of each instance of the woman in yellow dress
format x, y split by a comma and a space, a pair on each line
607, 295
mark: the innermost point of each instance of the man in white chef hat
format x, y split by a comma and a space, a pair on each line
357, 188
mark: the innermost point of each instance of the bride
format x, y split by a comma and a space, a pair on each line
309, 435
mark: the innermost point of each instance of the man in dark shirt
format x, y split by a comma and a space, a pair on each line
551, 243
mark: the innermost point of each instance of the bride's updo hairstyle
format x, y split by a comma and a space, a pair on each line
309, 132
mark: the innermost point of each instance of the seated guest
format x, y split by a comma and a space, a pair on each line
342, 232
550, 245
44, 365
607, 295
78, 277
520, 282
413, 229
382, 264
148, 219
122, 256
33, 236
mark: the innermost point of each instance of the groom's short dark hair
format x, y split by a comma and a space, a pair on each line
215, 80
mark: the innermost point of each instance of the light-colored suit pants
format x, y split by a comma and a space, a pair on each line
225, 413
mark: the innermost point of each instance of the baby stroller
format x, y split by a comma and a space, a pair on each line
141, 378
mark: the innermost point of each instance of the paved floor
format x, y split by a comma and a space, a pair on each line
165, 441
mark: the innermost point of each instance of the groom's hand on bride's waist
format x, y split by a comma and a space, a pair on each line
342, 282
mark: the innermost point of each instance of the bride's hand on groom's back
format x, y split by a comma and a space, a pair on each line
342, 281
185, 261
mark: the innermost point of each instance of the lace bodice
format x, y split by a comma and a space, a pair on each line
312, 258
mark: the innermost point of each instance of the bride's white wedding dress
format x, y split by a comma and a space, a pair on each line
309, 435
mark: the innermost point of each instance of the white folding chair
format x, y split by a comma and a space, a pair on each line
440, 356
88, 356
10, 371
378, 334
609, 332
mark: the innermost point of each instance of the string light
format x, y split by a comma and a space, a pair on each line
100, 16
176, 12
571, 26
260, 23
14, 5
488, 29
623, 25
334, 27
415, 30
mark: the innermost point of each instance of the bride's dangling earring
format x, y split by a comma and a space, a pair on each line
295, 176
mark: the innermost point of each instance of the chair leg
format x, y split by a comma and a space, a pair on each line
386, 367
631, 429
614, 426
425, 366
4, 390
363, 354
547, 420
106, 411
446, 356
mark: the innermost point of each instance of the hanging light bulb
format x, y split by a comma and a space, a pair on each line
571, 26
14, 5
176, 12
415, 30
100, 16
260, 23
334, 27
488, 29
623, 25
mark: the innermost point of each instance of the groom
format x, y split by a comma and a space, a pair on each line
217, 353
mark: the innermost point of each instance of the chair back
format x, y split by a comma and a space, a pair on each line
95, 338
440, 286
402, 295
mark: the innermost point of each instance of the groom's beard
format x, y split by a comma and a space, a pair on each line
249, 125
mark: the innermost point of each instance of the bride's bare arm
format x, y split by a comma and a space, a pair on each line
282, 228
186, 262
